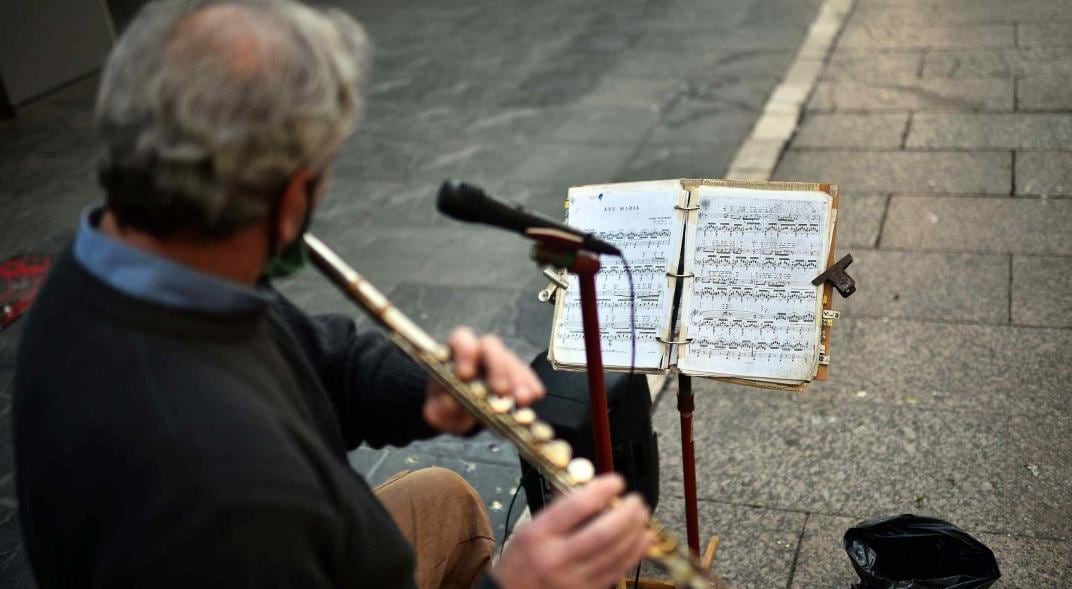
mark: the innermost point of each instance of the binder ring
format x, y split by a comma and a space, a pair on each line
681, 208
679, 342
676, 275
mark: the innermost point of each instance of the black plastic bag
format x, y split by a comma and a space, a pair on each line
915, 552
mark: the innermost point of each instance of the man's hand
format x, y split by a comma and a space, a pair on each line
486, 358
574, 544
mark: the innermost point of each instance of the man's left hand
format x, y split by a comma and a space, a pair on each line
484, 357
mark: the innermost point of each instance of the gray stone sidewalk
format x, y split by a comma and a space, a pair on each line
947, 124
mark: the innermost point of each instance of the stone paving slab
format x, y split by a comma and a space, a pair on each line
1042, 291
962, 11
562, 165
786, 451
1044, 93
997, 370
822, 562
756, 545
873, 131
1044, 173
602, 125
1039, 471
930, 286
398, 121
14, 568
1044, 33
984, 225
913, 94
993, 63
682, 160
378, 159
1030, 562
859, 220
9, 344
991, 131
722, 64
691, 120
946, 172
748, 92
871, 65
359, 206
439, 310
390, 256
632, 92
887, 36
510, 126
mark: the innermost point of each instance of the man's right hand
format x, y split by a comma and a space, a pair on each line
575, 544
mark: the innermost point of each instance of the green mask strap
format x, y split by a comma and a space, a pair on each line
287, 262
292, 258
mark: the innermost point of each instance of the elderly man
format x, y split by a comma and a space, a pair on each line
178, 422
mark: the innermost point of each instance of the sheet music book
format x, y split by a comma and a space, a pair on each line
738, 259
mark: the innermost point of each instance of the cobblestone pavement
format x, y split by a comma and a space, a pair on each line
524, 98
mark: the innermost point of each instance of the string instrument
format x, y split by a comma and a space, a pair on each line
533, 438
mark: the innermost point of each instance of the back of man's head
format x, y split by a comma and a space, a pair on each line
207, 108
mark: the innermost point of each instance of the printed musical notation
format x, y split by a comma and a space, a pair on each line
645, 226
748, 350
745, 322
752, 307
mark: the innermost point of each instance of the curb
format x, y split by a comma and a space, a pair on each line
759, 153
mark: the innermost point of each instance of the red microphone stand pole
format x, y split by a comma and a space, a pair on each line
563, 250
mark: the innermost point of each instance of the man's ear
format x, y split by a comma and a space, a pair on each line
293, 207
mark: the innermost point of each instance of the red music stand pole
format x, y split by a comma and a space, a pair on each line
685, 406
563, 250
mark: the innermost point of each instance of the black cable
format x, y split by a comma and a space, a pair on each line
632, 319
509, 510
632, 358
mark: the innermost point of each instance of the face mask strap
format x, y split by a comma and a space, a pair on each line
274, 247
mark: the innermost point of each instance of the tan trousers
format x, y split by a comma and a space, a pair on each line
444, 521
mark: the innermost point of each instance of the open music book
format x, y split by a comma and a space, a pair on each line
722, 278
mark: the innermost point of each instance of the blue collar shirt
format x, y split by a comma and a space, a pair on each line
145, 275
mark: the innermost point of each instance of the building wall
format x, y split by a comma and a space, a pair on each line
47, 43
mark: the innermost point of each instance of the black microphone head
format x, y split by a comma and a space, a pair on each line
471, 204
461, 201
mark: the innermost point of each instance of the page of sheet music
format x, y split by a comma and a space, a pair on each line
752, 311
640, 219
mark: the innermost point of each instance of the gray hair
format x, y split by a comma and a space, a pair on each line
208, 107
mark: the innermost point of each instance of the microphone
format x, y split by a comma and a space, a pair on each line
469, 203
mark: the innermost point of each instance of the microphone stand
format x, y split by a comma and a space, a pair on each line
566, 250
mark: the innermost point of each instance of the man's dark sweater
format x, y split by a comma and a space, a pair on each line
162, 447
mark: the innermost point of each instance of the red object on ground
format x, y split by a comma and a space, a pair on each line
21, 278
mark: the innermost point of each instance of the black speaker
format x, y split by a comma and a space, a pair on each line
566, 407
